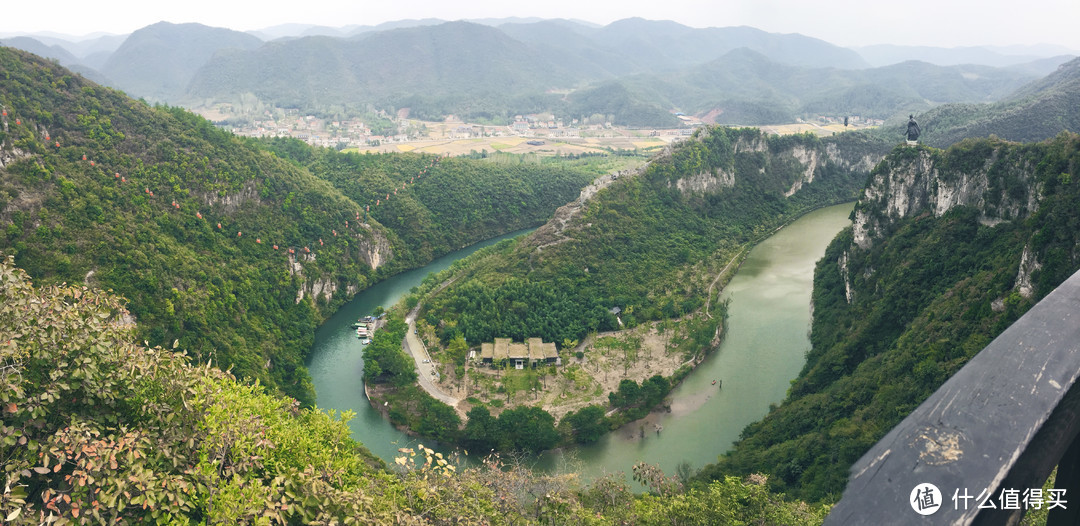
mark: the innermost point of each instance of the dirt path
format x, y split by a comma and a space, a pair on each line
708, 295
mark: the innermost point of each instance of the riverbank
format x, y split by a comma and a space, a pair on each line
592, 371
763, 347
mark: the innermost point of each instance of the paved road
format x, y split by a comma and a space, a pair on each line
415, 348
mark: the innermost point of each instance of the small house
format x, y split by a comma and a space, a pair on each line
500, 350
487, 352
536, 351
551, 354
518, 354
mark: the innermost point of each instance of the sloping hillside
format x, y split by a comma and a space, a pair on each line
99, 429
651, 242
158, 61
1034, 112
448, 60
178, 217
214, 241
947, 249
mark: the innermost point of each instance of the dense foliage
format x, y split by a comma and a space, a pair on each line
643, 244
215, 241
131, 200
97, 429
449, 204
929, 294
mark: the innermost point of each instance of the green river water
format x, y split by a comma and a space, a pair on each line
766, 340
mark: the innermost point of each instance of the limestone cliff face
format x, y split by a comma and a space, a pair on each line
372, 247
804, 161
705, 182
916, 180
231, 202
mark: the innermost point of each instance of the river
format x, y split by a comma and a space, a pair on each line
764, 348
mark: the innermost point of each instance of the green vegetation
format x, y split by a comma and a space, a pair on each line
929, 294
454, 203
99, 429
1037, 111
644, 245
182, 219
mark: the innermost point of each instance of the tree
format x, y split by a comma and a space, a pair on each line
482, 430
587, 425
458, 349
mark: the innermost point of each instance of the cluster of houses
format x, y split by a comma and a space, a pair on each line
532, 353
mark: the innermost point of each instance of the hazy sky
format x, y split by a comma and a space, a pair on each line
842, 22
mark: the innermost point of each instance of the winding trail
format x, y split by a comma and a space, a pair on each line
708, 295
424, 365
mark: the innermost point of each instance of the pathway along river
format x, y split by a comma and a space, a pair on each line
763, 350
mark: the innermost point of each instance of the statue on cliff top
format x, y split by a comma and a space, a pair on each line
913, 131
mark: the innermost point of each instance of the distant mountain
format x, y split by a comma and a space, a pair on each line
746, 87
632, 72
158, 61
57, 53
74, 52
1043, 66
575, 46
83, 47
668, 45
636, 45
1037, 111
41, 49
887, 54
479, 71
456, 59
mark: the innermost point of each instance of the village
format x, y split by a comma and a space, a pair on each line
541, 133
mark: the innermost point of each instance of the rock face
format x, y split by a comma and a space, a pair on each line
231, 202
373, 248
915, 181
706, 182
809, 159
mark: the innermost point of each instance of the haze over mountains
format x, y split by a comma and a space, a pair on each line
634, 71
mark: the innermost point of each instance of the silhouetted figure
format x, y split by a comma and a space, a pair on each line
913, 130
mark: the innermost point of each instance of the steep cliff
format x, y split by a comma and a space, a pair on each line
946, 250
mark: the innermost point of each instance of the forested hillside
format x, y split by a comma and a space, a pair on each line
158, 61
1036, 111
650, 243
215, 241
99, 429
448, 204
947, 249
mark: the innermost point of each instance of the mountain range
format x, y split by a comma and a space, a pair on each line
494, 69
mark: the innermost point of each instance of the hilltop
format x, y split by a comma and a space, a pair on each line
1036, 111
632, 72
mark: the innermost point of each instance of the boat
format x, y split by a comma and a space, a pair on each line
365, 342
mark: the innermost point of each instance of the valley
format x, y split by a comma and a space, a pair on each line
633, 273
